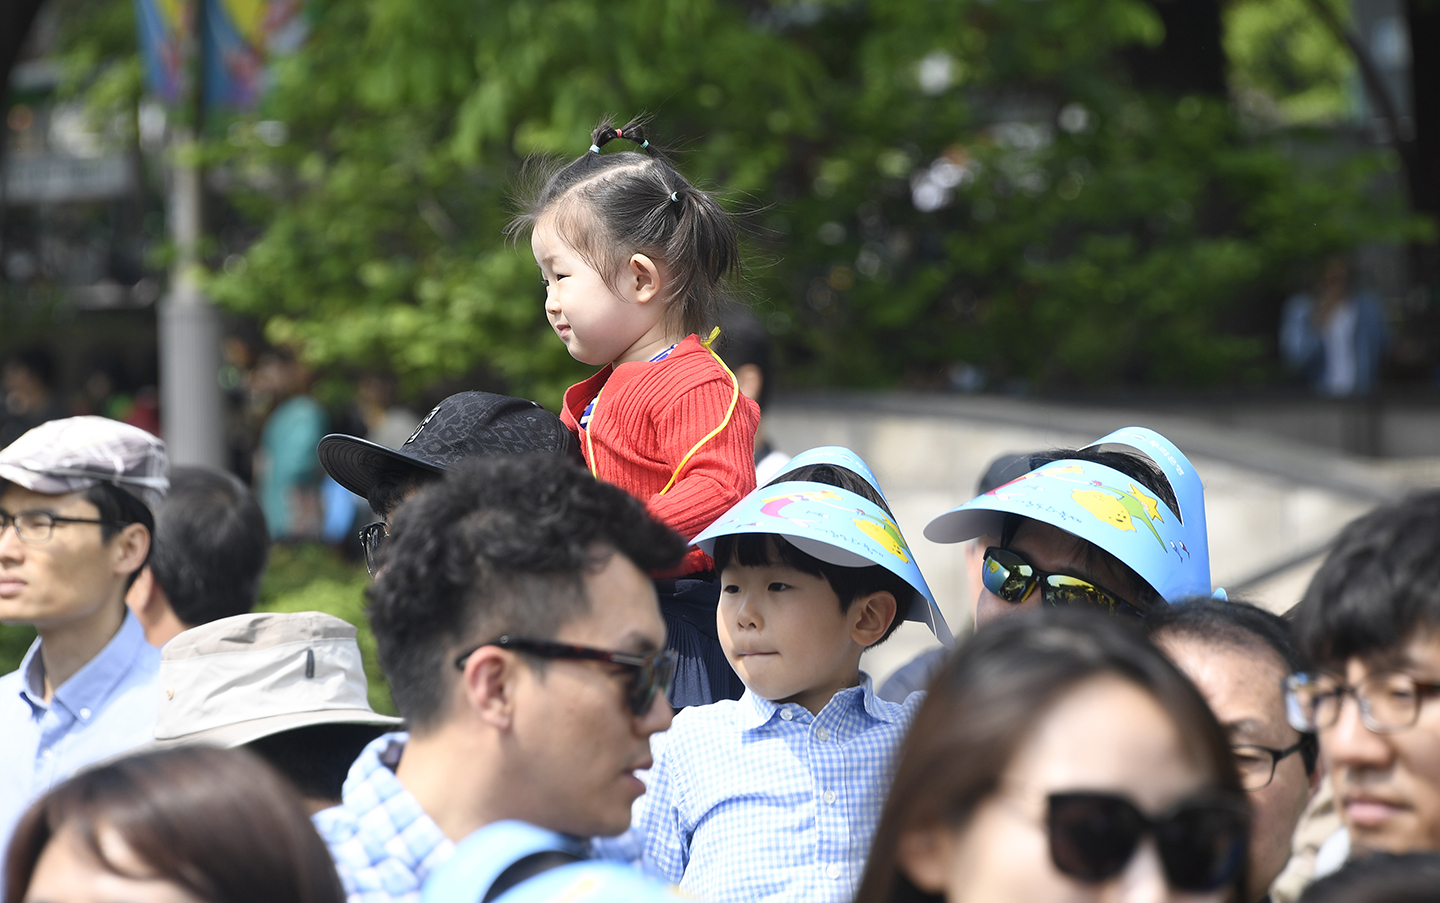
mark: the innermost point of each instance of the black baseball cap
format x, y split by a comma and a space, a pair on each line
465, 425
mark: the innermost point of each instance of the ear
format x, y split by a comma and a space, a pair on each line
642, 279
925, 855
140, 598
128, 549
871, 616
489, 683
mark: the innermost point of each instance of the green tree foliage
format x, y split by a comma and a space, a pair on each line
927, 183
1286, 62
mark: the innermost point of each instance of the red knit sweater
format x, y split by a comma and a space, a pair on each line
649, 416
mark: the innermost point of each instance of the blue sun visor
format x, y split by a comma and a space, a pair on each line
1168, 549
837, 527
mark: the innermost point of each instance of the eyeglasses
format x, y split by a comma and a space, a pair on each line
1257, 764
1013, 579
1093, 836
36, 527
654, 671
1388, 702
372, 540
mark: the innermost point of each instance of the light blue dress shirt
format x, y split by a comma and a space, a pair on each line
383, 843
752, 801
107, 707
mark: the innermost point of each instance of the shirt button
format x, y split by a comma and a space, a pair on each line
821, 734
787, 715
85, 714
832, 870
46, 752
830, 796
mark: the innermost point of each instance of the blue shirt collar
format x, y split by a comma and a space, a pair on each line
86, 691
756, 711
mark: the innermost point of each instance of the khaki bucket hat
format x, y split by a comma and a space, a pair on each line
235, 680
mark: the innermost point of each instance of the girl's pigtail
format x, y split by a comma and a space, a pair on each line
702, 251
603, 135
635, 132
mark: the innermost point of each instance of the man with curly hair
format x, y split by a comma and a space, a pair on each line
524, 646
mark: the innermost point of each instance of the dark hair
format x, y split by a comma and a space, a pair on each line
117, 510
1004, 469
1377, 587
1239, 626
744, 342
216, 822
990, 696
210, 546
501, 545
39, 361
390, 489
838, 476
316, 758
1380, 878
1135, 466
608, 207
760, 549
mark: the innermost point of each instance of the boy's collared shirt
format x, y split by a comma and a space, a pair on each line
750, 800
107, 707
383, 843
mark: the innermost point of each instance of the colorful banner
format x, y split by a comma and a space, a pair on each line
240, 37
164, 27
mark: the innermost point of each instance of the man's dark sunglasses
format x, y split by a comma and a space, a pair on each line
1010, 577
654, 671
372, 540
1093, 836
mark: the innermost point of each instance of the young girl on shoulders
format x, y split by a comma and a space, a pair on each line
633, 258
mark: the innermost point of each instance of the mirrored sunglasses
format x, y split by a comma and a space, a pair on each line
1010, 577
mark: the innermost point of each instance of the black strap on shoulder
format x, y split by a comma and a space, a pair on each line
524, 869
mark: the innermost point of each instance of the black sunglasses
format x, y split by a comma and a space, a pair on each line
372, 540
1013, 579
654, 671
1202, 842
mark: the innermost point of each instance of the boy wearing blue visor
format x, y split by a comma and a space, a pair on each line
1118, 525
775, 796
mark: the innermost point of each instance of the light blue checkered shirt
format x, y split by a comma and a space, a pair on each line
753, 801
383, 843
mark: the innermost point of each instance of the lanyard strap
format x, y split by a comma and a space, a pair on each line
729, 412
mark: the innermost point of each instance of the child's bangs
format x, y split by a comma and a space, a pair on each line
754, 550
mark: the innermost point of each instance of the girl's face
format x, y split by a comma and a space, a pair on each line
1105, 736
67, 872
600, 320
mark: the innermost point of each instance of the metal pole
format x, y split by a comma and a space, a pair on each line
192, 407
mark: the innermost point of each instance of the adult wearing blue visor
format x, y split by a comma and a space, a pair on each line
1118, 525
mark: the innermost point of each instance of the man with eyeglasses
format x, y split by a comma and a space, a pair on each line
525, 649
1370, 625
1238, 656
77, 503
1117, 526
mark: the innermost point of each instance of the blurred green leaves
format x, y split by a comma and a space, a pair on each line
926, 183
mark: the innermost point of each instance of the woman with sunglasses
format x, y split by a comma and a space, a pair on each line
1059, 756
